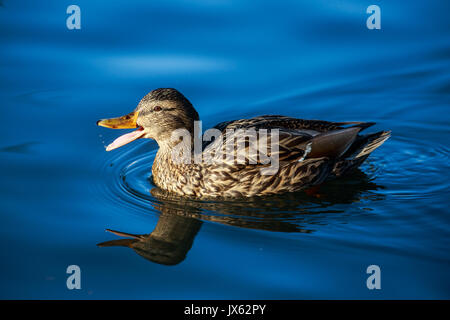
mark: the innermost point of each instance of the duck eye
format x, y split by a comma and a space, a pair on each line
157, 108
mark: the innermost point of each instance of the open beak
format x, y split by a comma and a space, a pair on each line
125, 122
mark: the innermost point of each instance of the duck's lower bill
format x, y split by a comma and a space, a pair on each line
127, 121
126, 138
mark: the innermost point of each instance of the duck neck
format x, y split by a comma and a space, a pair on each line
173, 161
178, 151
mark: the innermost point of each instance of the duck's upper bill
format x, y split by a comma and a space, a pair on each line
125, 122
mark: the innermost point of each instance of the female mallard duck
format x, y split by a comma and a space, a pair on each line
305, 152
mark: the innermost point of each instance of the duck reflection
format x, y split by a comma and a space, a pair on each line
181, 218
167, 244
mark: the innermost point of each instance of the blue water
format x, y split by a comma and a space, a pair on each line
60, 190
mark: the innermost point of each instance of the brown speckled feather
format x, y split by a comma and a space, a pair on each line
227, 178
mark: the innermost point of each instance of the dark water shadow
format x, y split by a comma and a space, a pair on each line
181, 219
23, 148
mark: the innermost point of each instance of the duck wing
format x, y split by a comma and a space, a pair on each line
297, 138
252, 147
306, 153
283, 122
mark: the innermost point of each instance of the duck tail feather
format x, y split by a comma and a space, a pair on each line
356, 124
373, 142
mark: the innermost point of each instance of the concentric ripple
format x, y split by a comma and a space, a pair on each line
406, 168
128, 176
415, 168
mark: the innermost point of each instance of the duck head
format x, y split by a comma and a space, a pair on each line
157, 115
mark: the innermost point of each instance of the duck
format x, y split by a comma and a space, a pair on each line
167, 244
259, 156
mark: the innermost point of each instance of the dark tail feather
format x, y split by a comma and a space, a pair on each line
364, 125
373, 141
356, 124
333, 143
359, 152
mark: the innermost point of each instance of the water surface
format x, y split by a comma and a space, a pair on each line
60, 190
